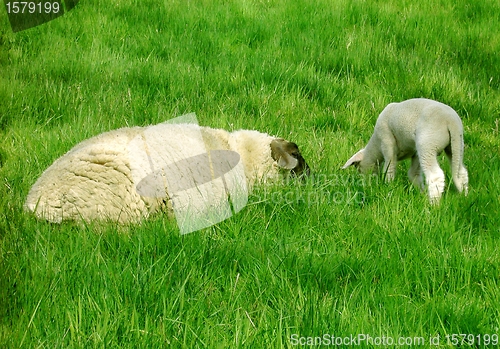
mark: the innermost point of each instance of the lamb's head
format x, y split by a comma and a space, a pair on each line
287, 155
355, 160
363, 163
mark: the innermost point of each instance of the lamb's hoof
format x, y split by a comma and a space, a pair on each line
434, 200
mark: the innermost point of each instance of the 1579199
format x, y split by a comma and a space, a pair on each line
28, 14
31, 7
456, 339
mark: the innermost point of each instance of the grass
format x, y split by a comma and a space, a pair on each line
341, 254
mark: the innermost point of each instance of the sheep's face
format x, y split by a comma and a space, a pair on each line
288, 156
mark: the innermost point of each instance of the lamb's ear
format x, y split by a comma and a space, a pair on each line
282, 152
355, 159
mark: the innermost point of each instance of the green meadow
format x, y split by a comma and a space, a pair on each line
339, 256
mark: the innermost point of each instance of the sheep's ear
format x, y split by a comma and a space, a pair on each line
283, 153
355, 159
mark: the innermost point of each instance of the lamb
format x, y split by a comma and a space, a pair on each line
419, 129
100, 178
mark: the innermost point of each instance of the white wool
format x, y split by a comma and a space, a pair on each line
419, 129
93, 180
96, 180
255, 151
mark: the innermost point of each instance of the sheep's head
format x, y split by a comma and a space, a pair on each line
288, 156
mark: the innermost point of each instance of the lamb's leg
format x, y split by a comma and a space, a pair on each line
460, 176
390, 159
461, 180
434, 176
415, 173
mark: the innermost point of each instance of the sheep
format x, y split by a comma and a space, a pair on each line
419, 129
100, 178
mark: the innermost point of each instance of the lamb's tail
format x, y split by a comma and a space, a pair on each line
458, 170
